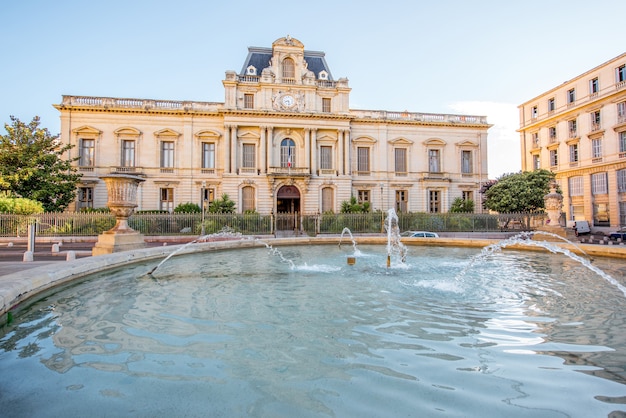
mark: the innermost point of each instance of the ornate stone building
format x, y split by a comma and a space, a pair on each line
284, 140
578, 131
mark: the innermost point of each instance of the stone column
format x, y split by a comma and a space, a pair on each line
340, 152
307, 148
347, 149
263, 150
270, 145
227, 149
314, 151
122, 201
233, 149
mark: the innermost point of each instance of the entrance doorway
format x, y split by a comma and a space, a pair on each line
287, 208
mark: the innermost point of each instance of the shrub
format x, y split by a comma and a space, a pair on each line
187, 208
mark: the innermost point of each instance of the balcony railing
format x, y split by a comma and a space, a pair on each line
420, 117
143, 104
127, 170
289, 171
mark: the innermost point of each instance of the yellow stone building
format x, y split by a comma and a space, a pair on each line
283, 140
578, 131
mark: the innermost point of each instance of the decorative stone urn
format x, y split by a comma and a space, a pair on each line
122, 201
553, 202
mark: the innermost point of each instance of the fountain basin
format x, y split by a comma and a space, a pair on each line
245, 334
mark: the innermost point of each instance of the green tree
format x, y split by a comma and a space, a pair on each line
460, 205
32, 165
519, 192
223, 205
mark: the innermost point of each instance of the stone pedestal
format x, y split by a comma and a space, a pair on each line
122, 193
553, 203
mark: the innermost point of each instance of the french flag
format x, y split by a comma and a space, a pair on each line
289, 158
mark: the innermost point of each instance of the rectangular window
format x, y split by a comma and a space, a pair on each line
247, 199
551, 105
433, 201
621, 112
573, 153
87, 152
434, 162
535, 139
576, 186
533, 112
167, 154
622, 142
208, 197
248, 101
85, 198
622, 213
596, 148
536, 162
208, 155
467, 195
620, 74
599, 184
595, 120
326, 105
128, 153
552, 133
326, 158
466, 162
571, 96
363, 196
327, 200
554, 159
400, 161
248, 156
573, 128
401, 201
621, 181
363, 160
166, 201
594, 86
601, 214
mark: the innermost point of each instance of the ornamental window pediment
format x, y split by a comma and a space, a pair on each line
167, 134
467, 144
326, 138
87, 131
400, 141
251, 70
208, 135
249, 136
434, 142
364, 140
127, 132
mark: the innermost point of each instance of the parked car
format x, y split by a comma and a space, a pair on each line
619, 234
581, 227
419, 234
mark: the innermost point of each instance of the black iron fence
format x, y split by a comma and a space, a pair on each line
91, 224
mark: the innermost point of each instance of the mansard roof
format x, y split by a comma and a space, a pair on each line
260, 58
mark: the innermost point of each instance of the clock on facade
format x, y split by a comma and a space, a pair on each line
288, 100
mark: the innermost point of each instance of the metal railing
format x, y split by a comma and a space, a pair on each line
154, 224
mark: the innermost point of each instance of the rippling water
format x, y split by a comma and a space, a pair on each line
245, 334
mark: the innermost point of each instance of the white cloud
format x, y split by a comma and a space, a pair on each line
503, 145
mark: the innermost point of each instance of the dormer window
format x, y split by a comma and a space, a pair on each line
289, 69
323, 75
251, 70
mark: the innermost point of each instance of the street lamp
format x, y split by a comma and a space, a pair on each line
203, 200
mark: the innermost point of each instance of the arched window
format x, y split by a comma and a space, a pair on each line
328, 204
289, 68
287, 153
247, 199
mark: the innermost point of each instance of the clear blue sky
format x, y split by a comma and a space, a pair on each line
482, 57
